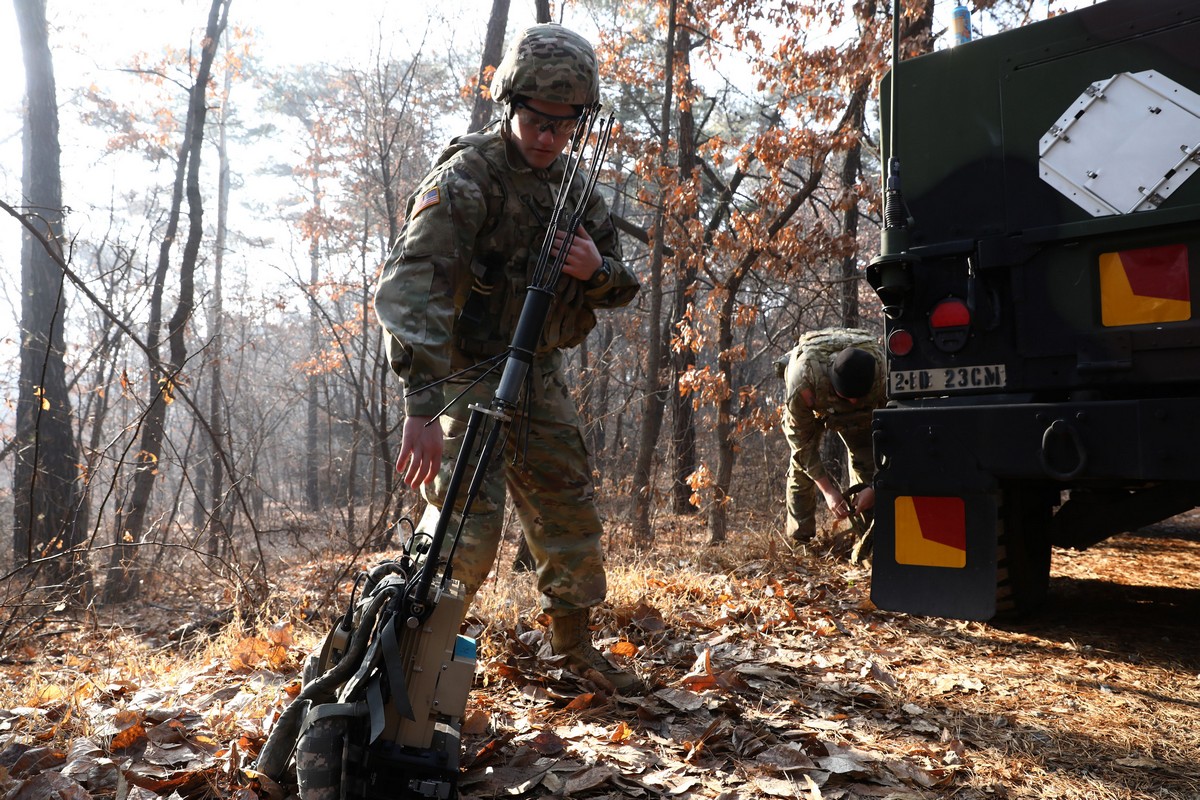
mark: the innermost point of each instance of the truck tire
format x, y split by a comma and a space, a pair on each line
1023, 553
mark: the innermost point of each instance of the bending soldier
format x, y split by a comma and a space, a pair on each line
448, 299
833, 381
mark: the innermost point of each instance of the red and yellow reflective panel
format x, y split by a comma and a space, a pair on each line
1146, 285
931, 531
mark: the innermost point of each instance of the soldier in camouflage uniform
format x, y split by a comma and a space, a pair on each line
449, 297
833, 381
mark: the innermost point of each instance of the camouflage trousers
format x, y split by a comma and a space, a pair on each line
802, 493
543, 465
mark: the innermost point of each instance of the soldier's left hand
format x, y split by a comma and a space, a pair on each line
864, 500
583, 259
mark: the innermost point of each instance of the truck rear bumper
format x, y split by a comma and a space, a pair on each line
946, 472
1121, 440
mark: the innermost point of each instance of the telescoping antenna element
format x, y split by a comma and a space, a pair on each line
519, 357
890, 272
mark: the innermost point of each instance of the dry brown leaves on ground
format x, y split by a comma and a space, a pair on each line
771, 677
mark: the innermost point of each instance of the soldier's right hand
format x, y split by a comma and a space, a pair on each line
420, 451
834, 500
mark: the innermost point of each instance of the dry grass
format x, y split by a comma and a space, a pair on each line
1100, 698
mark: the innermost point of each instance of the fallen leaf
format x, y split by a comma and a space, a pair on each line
843, 765
681, 698
128, 737
47, 786
648, 618
623, 648
950, 683
36, 759
588, 779
475, 722
785, 757
585, 700
546, 743
823, 724
281, 634
777, 787
621, 732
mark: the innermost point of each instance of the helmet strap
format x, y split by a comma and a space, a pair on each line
506, 118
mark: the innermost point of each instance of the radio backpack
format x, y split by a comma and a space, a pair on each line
379, 711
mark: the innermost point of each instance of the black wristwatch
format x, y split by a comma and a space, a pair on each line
601, 275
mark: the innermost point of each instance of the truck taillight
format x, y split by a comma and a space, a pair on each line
950, 323
900, 342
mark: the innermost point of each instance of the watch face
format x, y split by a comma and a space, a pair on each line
601, 274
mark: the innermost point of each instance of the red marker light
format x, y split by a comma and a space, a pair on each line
950, 313
950, 324
900, 342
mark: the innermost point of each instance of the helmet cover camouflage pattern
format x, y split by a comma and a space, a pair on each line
550, 63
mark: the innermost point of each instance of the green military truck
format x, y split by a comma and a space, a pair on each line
1043, 346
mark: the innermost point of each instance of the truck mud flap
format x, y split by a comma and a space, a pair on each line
924, 561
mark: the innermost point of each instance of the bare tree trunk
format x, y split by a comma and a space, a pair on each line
393, 489
600, 401
493, 51
123, 579
683, 417
718, 512
850, 169
383, 379
312, 486
587, 391
542, 11
357, 427
200, 498
655, 399
45, 494
96, 413
683, 442
217, 531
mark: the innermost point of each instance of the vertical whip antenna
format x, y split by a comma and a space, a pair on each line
894, 216
890, 272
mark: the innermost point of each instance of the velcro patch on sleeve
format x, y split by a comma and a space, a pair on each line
430, 198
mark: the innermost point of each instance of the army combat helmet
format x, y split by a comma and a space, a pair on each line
852, 373
551, 63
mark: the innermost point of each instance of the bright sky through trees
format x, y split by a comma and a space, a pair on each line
91, 43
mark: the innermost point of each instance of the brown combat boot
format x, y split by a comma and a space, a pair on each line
570, 637
802, 532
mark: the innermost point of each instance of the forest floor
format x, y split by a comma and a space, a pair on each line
772, 675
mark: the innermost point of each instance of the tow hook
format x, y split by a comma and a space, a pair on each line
1062, 444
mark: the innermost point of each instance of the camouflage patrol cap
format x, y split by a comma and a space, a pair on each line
852, 373
551, 63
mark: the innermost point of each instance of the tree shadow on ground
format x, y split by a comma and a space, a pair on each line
1131, 622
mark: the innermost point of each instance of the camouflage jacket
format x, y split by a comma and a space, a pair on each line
812, 404
455, 281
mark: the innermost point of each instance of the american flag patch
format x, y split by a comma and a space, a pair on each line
430, 198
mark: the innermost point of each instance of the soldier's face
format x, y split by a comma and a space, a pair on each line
537, 137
